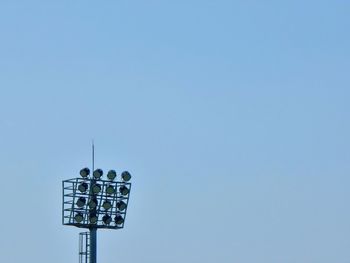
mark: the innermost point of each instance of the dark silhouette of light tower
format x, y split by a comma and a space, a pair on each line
95, 203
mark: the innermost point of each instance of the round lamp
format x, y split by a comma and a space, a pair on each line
83, 187
81, 201
118, 219
85, 172
111, 175
97, 173
110, 190
126, 176
93, 203
121, 206
106, 205
79, 217
93, 218
124, 190
96, 188
106, 219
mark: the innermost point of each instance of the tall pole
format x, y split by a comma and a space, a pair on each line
93, 156
93, 245
93, 230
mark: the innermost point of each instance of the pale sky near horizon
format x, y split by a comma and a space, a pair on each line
232, 116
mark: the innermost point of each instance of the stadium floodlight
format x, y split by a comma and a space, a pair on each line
110, 190
124, 190
85, 172
96, 188
79, 217
83, 187
81, 201
126, 176
111, 175
93, 202
107, 219
98, 173
118, 219
121, 206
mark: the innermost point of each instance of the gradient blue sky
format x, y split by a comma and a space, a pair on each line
232, 116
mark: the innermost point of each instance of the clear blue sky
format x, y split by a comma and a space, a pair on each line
232, 116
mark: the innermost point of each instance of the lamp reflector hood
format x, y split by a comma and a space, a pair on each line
110, 190
98, 173
93, 203
83, 187
81, 201
93, 218
111, 175
85, 172
79, 217
124, 190
96, 188
121, 206
126, 176
118, 219
106, 219
106, 205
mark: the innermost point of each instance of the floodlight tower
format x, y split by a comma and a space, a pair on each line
95, 203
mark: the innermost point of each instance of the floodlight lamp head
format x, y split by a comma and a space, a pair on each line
106, 205
121, 206
83, 187
106, 219
96, 188
110, 190
93, 218
97, 173
79, 217
81, 202
92, 203
126, 176
111, 175
124, 190
118, 219
85, 172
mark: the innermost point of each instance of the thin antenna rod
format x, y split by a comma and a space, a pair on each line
93, 156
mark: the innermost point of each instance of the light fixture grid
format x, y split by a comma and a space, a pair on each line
71, 194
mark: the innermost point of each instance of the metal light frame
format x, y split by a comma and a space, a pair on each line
71, 194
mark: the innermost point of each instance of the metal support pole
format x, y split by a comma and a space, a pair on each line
93, 245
